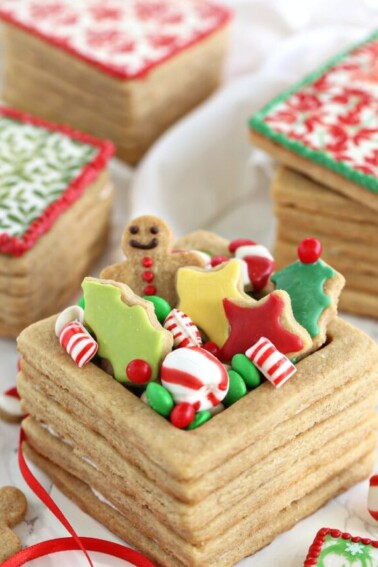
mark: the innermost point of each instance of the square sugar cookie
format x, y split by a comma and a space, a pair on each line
55, 203
326, 125
337, 549
124, 70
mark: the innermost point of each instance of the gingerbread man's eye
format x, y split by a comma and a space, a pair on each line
134, 229
154, 229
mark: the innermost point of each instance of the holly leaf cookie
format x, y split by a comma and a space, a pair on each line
270, 317
126, 328
151, 264
314, 288
201, 294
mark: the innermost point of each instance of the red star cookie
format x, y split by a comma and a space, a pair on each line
271, 317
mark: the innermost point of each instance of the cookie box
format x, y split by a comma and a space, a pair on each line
218, 493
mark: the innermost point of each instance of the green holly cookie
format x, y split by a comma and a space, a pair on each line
305, 285
125, 327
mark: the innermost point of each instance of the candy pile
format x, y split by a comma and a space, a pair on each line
229, 331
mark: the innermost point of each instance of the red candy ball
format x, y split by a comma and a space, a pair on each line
309, 250
182, 415
148, 276
216, 260
235, 244
212, 348
138, 371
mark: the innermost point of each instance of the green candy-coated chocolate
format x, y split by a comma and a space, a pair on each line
159, 399
237, 389
81, 302
201, 418
247, 370
162, 307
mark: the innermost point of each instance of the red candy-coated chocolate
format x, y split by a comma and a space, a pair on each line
149, 290
216, 260
138, 371
212, 348
235, 244
309, 250
182, 415
147, 262
147, 276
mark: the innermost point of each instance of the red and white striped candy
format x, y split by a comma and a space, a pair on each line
72, 313
78, 343
184, 331
373, 497
253, 250
275, 366
194, 375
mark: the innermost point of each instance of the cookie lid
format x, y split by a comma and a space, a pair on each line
123, 39
334, 548
331, 116
44, 169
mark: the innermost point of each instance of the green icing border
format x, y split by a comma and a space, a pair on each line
257, 123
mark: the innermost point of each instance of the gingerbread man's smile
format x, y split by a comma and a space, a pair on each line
149, 246
134, 229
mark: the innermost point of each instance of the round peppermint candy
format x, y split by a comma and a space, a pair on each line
195, 376
373, 497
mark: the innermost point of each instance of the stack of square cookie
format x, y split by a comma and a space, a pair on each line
324, 130
216, 494
55, 205
124, 71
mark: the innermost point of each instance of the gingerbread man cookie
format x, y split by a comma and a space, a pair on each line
151, 265
13, 507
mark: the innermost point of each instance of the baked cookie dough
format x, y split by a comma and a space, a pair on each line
325, 126
55, 201
125, 71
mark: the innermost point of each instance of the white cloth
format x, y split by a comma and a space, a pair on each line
203, 173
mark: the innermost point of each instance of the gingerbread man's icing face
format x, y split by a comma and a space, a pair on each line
146, 234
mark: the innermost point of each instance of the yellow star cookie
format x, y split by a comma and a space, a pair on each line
201, 293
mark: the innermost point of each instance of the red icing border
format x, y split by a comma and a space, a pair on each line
317, 544
15, 246
225, 17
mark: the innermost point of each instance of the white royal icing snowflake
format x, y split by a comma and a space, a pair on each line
355, 548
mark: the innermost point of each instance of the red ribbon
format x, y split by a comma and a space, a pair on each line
69, 544
72, 543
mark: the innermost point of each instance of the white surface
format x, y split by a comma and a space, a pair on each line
202, 173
